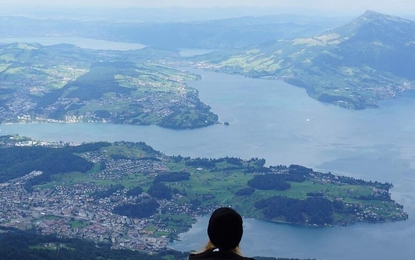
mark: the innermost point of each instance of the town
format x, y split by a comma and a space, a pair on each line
72, 212
70, 89
96, 204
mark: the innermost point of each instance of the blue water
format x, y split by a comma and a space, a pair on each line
280, 123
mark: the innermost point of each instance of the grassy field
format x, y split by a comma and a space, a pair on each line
215, 182
73, 85
78, 224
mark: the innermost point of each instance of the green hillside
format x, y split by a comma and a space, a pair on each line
353, 66
63, 83
213, 34
113, 192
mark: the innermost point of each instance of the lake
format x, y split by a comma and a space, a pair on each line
95, 44
78, 41
279, 122
193, 52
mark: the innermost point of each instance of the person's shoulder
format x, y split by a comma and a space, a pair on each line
245, 258
201, 255
213, 255
194, 256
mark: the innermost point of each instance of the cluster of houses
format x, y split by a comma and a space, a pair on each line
71, 210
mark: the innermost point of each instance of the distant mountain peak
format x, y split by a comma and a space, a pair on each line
354, 65
372, 13
371, 16
377, 27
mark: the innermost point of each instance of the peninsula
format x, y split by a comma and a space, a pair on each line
131, 196
352, 66
63, 83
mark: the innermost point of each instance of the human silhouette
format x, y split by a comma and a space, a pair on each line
225, 233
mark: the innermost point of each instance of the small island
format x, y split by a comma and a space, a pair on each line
112, 192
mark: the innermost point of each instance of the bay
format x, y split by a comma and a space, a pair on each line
278, 122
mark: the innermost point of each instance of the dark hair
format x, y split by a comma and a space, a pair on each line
225, 228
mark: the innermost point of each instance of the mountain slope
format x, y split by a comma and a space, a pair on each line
353, 66
214, 34
64, 83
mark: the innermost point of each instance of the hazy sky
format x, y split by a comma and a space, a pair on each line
388, 6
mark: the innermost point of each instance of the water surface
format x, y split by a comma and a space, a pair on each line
279, 122
77, 41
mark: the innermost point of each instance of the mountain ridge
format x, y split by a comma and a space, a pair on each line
352, 66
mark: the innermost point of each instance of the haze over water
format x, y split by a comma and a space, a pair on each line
77, 41
280, 123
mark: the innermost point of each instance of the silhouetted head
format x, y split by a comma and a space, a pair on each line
225, 228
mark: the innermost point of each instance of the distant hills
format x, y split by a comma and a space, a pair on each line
215, 34
352, 66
